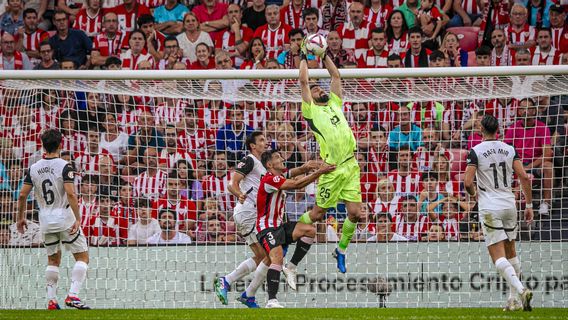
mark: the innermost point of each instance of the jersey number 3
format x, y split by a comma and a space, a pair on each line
503, 166
48, 194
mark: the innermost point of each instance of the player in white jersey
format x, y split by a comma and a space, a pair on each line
493, 162
59, 219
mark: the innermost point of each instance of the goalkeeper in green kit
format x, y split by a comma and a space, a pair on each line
324, 114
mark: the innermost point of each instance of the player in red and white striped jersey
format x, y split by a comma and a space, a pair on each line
355, 33
274, 33
186, 210
235, 40
406, 182
106, 228
31, 36
519, 33
127, 13
376, 56
544, 53
410, 223
88, 204
90, 18
273, 229
216, 184
108, 43
151, 184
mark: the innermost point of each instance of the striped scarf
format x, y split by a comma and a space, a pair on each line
332, 20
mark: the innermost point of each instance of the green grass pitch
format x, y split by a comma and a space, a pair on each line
264, 314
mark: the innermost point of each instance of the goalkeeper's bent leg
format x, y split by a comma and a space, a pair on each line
314, 215
349, 225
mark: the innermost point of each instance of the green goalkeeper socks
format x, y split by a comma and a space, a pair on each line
305, 218
346, 234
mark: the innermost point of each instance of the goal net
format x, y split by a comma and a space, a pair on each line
145, 143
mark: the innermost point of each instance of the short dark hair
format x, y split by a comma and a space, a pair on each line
429, 175
404, 199
394, 57
437, 55
45, 43
172, 38
60, 12
547, 30
267, 156
28, 11
490, 124
167, 211
483, 51
404, 147
69, 60
51, 140
90, 178
529, 100
377, 30
112, 60
415, 30
251, 139
144, 19
310, 11
143, 203
294, 32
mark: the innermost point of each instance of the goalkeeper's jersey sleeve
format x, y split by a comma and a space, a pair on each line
331, 130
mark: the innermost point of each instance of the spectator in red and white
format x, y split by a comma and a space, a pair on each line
204, 59
125, 207
168, 234
377, 13
333, 14
10, 59
374, 144
30, 36
108, 43
106, 229
215, 184
499, 14
170, 112
519, 33
387, 202
355, 34
483, 58
93, 115
523, 58
291, 14
192, 36
405, 180
451, 46
274, 33
467, 13
394, 61
376, 56
108, 179
90, 18
396, 32
46, 62
336, 52
430, 20
361, 122
426, 155
190, 179
127, 13
436, 233
73, 140
146, 136
501, 55
290, 59
46, 116
169, 17
212, 14
558, 28
416, 56
87, 160
145, 226
235, 40
448, 184
70, 43
544, 53
71, 7
368, 180
113, 140
172, 153
154, 39
192, 137
311, 25
383, 230
12, 19
410, 223
254, 16
454, 211
256, 57
137, 53
88, 204
438, 59
185, 209
172, 54
531, 139
150, 184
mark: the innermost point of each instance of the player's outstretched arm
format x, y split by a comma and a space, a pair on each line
300, 183
22, 203
335, 85
305, 80
74, 204
526, 186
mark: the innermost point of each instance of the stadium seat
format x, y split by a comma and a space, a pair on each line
468, 37
471, 62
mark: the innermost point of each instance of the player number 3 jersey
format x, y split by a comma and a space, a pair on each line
270, 202
331, 129
494, 162
47, 176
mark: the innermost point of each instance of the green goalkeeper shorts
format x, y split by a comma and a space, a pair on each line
344, 183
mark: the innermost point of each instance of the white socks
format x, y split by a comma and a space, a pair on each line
508, 272
242, 270
257, 280
78, 276
52, 276
517, 266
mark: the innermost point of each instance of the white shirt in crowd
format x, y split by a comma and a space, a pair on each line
179, 238
141, 232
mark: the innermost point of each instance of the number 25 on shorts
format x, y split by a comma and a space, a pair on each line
324, 193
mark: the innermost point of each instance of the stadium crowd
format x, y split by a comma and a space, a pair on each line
156, 170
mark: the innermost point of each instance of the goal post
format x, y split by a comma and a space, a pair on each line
145, 143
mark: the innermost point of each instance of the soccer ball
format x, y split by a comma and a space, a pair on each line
316, 44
